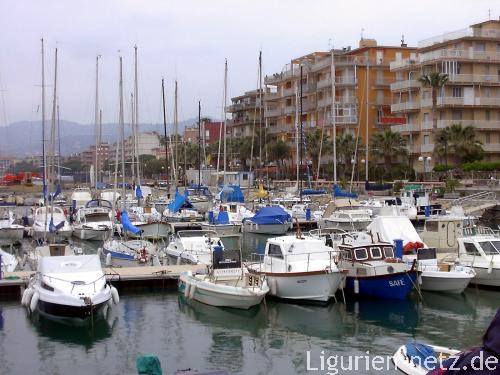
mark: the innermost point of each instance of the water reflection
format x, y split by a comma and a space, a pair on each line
400, 315
1, 319
85, 333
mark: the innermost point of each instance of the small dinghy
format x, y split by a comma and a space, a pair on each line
226, 284
418, 359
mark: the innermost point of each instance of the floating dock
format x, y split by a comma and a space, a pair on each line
13, 283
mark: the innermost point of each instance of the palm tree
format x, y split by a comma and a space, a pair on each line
460, 142
278, 151
346, 145
388, 146
435, 81
313, 139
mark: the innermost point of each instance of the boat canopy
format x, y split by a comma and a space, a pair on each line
70, 264
270, 215
338, 192
180, 201
127, 225
223, 217
313, 191
390, 228
231, 193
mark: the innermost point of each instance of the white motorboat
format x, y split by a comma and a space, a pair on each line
180, 209
299, 268
9, 262
444, 277
51, 223
94, 221
69, 287
80, 197
109, 195
268, 220
435, 276
345, 214
479, 248
129, 252
53, 249
148, 220
221, 224
10, 233
226, 284
194, 246
420, 359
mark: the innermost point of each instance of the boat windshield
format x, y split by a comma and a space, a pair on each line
490, 247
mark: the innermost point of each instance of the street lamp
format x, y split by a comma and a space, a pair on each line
425, 160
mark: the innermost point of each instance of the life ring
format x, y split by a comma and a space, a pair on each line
412, 246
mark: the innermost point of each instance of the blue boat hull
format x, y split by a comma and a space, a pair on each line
390, 286
119, 255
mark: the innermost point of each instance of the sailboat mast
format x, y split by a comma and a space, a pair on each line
44, 157
136, 96
96, 122
367, 114
133, 136
297, 133
301, 135
334, 119
59, 145
99, 139
225, 120
165, 130
53, 125
199, 145
260, 108
122, 133
176, 125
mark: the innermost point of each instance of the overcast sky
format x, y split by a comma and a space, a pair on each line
188, 40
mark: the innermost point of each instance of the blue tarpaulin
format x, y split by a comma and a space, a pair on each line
127, 225
338, 192
270, 215
138, 192
223, 217
54, 228
313, 191
231, 193
180, 201
419, 354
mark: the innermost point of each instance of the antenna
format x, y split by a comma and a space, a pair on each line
362, 32
489, 14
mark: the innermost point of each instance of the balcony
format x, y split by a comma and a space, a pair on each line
340, 81
474, 78
427, 148
462, 102
383, 101
275, 112
406, 128
491, 147
338, 100
477, 124
383, 81
405, 85
405, 106
467, 32
276, 129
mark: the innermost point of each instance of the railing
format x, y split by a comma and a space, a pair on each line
462, 101
478, 124
427, 147
474, 78
338, 100
445, 54
276, 112
405, 128
477, 231
286, 262
404, 85
485, 196
468, 32
405, 106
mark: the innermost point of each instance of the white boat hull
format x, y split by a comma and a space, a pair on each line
220, 295
485, 278
91, 234
341, 225
445, 282
58, 236
11, 235
222, 229
406, 366
311, 286
250, 227
156, 230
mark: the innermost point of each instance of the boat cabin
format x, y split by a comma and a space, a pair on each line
442, 232
380, 251
479, 242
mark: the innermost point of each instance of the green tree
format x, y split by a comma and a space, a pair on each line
346, 145
278, 152
389, 147
76, 165
435, 81
460, 143
314, 142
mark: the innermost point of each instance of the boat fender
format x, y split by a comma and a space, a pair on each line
108, 259
27, 294
99, 251
356, 286
186, 289
420, 279
490, 268
115, 295
192, 291
273, 287
34, 301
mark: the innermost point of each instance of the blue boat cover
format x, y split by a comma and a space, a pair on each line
100, 185
180, 201
338, 192
270, 215
138, 192
54, 228
231, 193
201, 189
313, 191
419, 354
223, 218
127, 225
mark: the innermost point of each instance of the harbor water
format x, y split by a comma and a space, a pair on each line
275, 338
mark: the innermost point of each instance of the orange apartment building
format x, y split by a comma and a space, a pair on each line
354, 97
471, 58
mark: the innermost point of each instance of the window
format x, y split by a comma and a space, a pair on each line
426, 139
399, 56
432, 226
487, 92
426, 117
470, 249
347, 255
376, 253
487, 115
456, 115
490, 247
275, 251
388, 252
456, 92
361, 254
245, 176
399, 76
487, 137
380, 57
479, 46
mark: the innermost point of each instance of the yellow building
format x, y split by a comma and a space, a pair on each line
354, 98
471, 58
